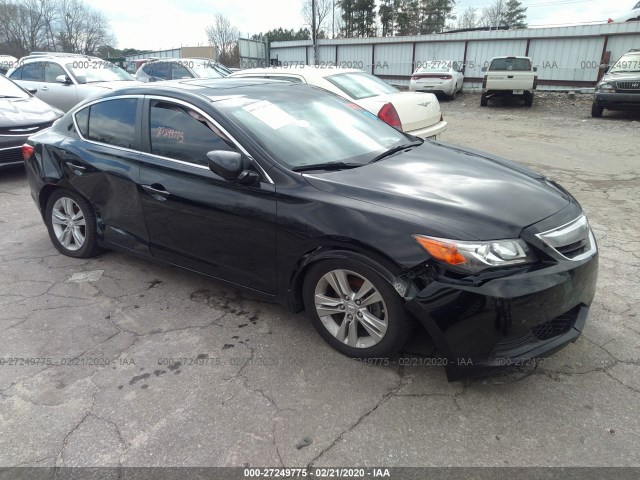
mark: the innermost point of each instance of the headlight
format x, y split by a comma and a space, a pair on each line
477, 256
605, 87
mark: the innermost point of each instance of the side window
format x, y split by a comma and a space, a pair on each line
113, 122
183, 134
51, 71
33, 72
82, 119
17, 74
147, 68
162, 70
180, 72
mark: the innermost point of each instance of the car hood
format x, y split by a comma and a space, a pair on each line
621, 77
483, 196
25, 111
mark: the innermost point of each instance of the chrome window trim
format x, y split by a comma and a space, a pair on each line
166, 99
567, 229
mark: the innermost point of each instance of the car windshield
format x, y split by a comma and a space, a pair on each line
8, 89
629, 62
209, 70
307, 126
360, 85
97, 71
515, 64
637, 5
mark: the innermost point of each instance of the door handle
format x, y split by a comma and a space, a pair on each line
77, 169
156, 191
44, 88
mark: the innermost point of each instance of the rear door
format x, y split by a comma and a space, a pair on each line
194, 217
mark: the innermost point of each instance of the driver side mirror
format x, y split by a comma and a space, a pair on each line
63, 79
232, 166
535, 69
484, 69
32, 90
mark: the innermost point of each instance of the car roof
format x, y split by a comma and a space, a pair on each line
511, 56
309, 71
183, 59
212, 89
62, 57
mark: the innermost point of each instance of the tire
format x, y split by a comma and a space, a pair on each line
528, 99
596, 110
377, 329
483, 100
71, 223
453, 95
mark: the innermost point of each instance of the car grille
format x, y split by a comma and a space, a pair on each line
633, 86
556, 326
11, 155
574, 240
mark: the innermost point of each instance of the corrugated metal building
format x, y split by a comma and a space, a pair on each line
565, 56
183, 52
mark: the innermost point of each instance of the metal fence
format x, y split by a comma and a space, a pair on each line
566, 57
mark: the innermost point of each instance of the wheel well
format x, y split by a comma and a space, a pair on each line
45, 193
374, 260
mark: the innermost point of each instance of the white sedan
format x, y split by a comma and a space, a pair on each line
633, 15
438, 77
415, 113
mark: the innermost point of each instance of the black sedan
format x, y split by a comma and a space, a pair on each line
21, 115
311, 201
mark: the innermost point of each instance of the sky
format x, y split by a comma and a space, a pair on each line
164, 24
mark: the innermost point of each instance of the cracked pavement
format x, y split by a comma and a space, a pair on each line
151, 365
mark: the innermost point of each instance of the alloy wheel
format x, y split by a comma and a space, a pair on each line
351, 308
69, 225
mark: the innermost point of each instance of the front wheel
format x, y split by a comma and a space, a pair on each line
355, 309
483, 100
71, 223
596, 110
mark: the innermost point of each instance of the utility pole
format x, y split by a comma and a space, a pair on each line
314, 38
333, 24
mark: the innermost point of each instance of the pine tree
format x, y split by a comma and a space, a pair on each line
515, 15
387, 18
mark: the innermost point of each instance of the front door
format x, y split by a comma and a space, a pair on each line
195, 218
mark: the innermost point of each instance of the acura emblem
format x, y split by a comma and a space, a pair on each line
424, 104
635, 85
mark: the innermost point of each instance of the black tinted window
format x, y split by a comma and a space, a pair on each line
113, 122
183, 134
33, 72
82, 118
147, 69
162, 70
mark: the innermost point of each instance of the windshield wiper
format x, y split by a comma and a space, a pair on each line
397, 149
327, 166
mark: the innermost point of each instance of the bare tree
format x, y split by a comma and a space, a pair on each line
324, 14
224, 36
493, 15
468, 19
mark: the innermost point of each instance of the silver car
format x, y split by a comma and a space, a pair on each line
181, 68
63, 80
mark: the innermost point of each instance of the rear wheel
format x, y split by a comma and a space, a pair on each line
453, 95
483, 100
71, 223
355, 309
596, 110
528, 99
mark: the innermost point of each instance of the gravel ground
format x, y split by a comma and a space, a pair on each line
270, 382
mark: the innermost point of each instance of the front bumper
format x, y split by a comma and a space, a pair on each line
618, 100
511, 320
433, 131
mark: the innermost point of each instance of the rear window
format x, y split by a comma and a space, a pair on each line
512, 64
360, 85
112, 122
